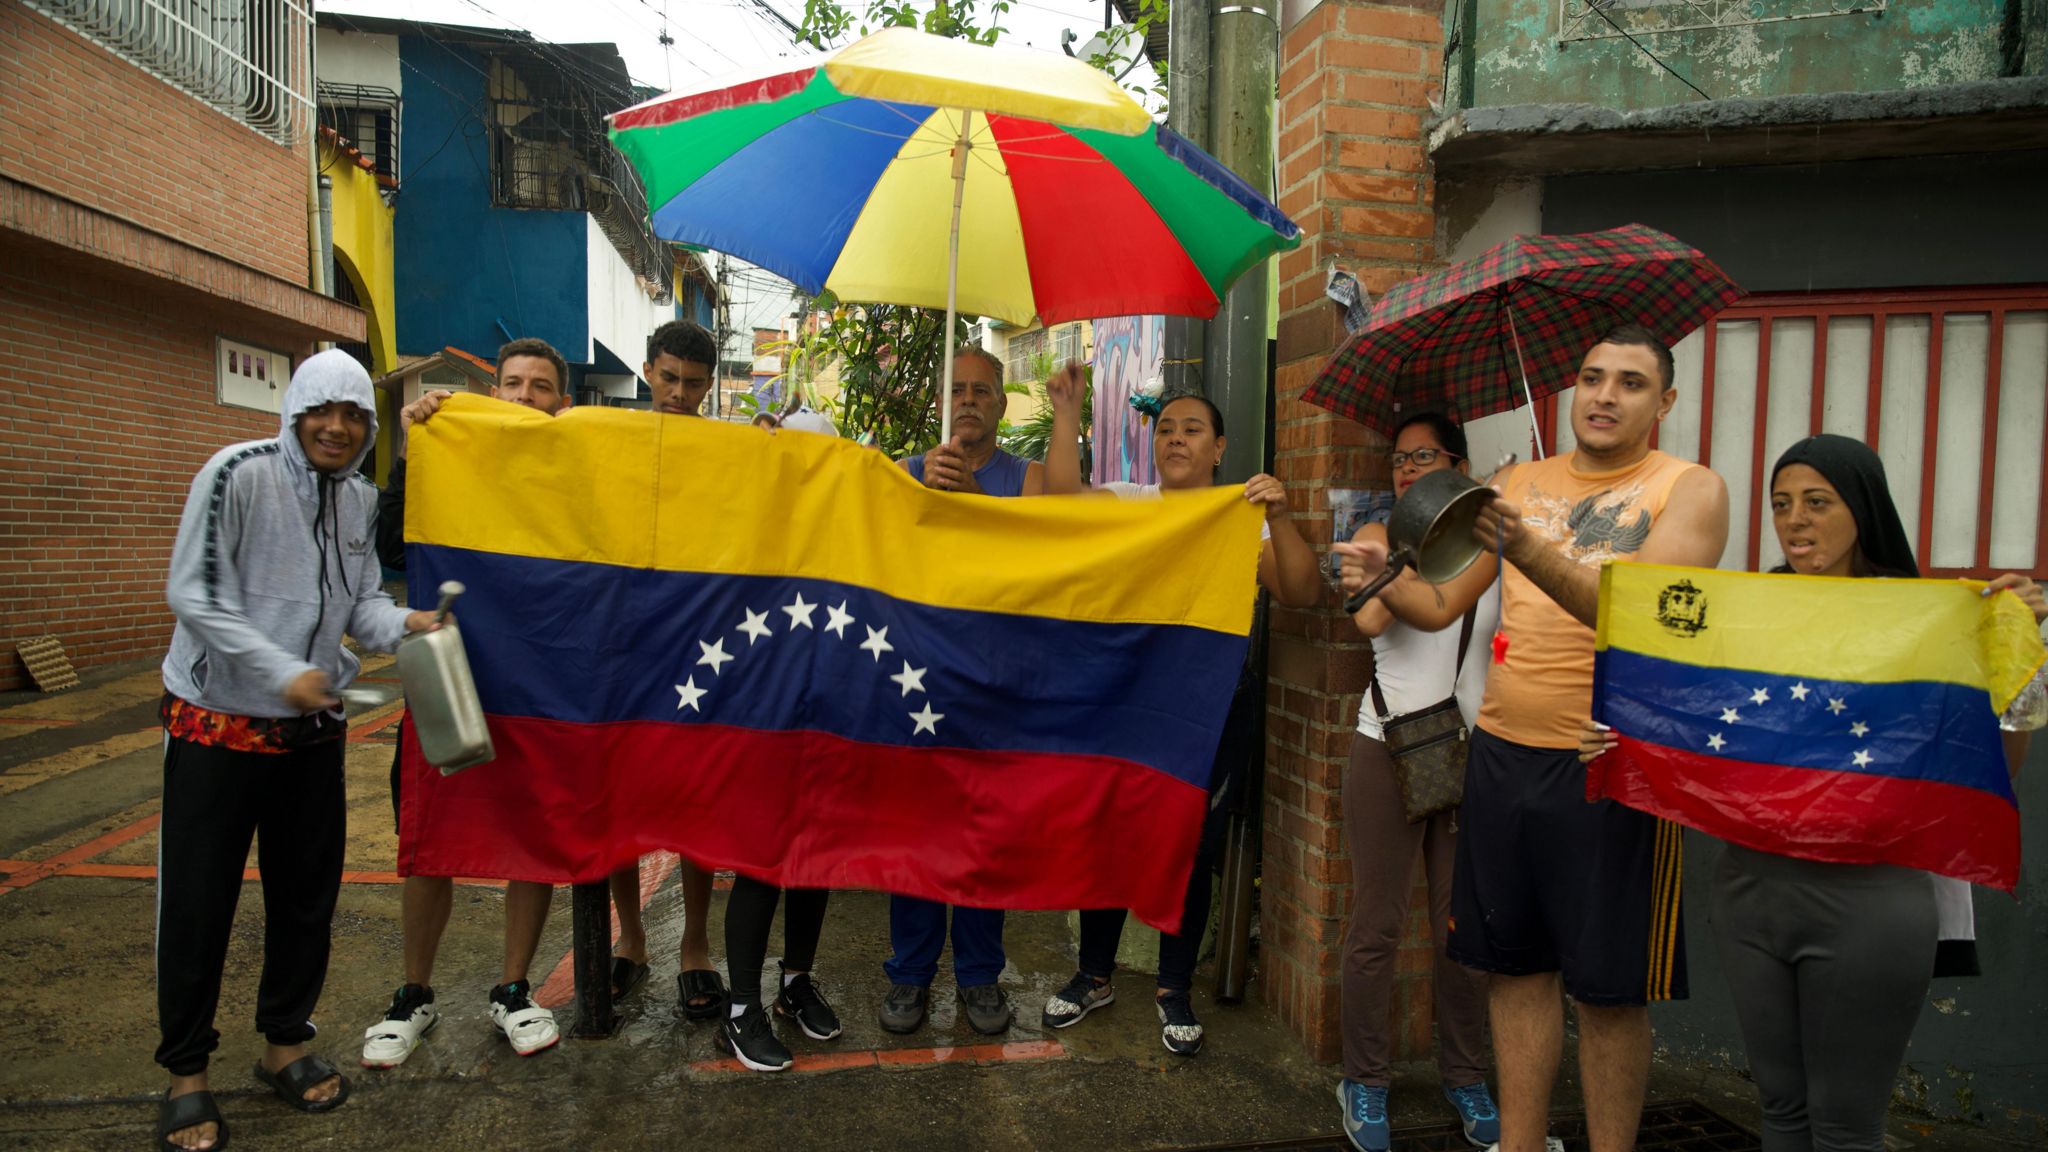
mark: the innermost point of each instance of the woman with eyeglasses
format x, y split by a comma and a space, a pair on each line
1425, 649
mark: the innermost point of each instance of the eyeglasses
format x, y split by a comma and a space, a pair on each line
1423, 456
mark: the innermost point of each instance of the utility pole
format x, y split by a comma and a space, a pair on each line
1244, 59
721, 315
1244, 50
1187, 112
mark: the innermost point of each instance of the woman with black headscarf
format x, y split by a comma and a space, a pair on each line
1829, 963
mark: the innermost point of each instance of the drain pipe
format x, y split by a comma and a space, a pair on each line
319, 251
327, 233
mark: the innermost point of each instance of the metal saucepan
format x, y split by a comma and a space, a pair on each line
1430, 531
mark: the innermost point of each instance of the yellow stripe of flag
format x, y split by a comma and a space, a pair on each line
641, 490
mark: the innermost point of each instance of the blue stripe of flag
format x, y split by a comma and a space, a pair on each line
591, 643
1915, 730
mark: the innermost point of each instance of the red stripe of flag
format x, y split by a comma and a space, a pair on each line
566, 802
1818, 814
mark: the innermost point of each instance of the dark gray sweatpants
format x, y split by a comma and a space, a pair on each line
1829, 965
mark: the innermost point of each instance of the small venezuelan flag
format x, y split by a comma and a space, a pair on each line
1853, 721
777, 653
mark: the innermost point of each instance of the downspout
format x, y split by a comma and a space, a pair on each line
319, 255
326, 186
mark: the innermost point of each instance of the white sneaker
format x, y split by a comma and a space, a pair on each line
1550, 1144
388, 1042
529, 1028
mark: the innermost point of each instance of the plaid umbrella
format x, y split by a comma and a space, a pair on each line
1459, 340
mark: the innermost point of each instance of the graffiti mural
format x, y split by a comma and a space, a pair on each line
1128, 351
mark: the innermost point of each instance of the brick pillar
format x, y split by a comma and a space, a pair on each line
1355, 82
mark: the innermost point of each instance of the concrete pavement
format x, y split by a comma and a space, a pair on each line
79, 783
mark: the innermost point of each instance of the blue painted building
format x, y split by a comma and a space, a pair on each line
515, 216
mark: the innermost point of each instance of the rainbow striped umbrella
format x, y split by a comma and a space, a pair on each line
1065, 200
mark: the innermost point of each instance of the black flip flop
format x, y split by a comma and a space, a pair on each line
294, 1080
186, 1111
701, 982
627, 976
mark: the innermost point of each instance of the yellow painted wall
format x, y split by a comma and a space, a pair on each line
363, 251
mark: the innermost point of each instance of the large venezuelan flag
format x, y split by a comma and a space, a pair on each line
779, 654
1853, 721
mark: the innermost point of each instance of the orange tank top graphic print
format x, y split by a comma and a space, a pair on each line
1543, 691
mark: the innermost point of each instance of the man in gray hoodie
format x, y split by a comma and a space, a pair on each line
273, 564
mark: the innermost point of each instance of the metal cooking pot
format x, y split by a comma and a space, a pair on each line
1430, 531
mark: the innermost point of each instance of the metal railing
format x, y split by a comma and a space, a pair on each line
250, 59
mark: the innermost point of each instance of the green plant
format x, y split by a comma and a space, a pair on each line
1028, 438
890, 359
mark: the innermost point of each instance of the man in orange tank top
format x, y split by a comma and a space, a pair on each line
1550, 891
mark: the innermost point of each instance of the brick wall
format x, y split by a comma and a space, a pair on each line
110, 411
79, 121
1355, 81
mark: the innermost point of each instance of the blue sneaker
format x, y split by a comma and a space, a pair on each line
1365, 1115
1476, 1112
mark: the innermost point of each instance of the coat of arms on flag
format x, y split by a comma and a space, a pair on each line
1853, 721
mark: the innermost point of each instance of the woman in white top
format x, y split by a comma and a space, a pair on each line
1412, 669
1187, 445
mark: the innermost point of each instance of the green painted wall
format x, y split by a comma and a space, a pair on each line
1509, 52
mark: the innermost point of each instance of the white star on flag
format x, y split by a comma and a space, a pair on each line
756, 626
1859, 728
690, 694
1730, 716
714, 655
912, 679
1862, 758
836, 620
1715, 742
877, 643
927, 720
1835, 705
1800, 691
799, 613
1760, 696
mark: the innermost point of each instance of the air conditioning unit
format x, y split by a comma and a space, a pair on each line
246, 376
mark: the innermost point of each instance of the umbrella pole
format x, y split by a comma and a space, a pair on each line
1535, 432
960, 148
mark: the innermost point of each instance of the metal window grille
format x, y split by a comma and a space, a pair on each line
1066, 344
1950, 385
250, 59
366, 115
550, 151
1022, 349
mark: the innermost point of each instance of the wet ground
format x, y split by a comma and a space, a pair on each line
79, 782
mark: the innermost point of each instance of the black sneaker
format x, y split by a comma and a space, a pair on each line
751, 1040
903, 1010
801, 1001
1178, 1028
1081, 996
988, 1010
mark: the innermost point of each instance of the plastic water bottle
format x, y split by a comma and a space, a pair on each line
2029, 709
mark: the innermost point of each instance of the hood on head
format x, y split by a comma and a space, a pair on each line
324, 378
1857, 473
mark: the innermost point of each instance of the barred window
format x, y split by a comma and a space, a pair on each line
250, 59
